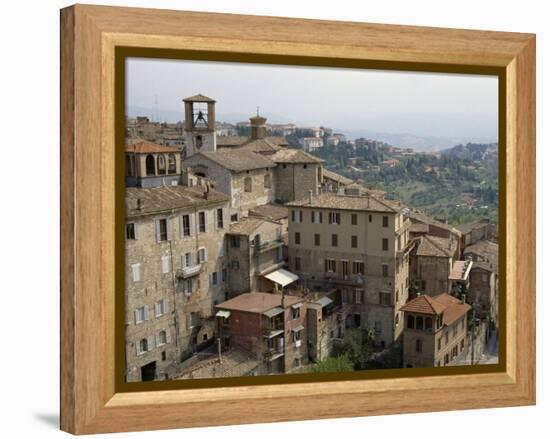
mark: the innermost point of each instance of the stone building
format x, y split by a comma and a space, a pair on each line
174, 275
254, 250
423, 224
245, 176
435, 331
148, 165
200, 124
270, 326
297, 173
361, 246
478, 231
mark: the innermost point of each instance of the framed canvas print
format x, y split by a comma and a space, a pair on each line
271, 219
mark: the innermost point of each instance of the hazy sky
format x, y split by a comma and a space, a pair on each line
347, 99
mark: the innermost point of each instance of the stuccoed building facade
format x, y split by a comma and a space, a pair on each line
360, 245
174, 275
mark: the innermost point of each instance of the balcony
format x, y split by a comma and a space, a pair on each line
183, 273
261, 247
407, 248
273, 353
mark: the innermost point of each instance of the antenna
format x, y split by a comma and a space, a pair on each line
258, 110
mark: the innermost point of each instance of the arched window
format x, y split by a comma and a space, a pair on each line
150, 165
267, 181
248, 184
429, 323
162, 337
419, 323
410, 322
171, 163
161, 164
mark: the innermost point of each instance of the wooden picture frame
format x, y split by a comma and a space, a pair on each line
91, 400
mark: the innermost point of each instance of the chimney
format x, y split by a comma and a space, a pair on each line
310, 196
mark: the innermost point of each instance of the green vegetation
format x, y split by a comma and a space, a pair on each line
460, 184
334, 364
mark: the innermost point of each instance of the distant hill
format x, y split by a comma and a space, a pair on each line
473, 151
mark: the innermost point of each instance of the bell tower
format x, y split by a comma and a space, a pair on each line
200, 124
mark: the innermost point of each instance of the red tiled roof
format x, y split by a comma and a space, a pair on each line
424, 305
451, 307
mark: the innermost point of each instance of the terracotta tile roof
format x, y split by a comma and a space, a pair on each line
294, 156
238, 160
230, 141
167, 198
451, 307
278, 140
329, 200
486, 249
143, 147
272, 211
460, 270
424, 305
245, 226
199, 98
435, 246
258, 302
420, 217
330, 175
261, 146
468, 227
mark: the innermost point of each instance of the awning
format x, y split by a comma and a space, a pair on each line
324, 301
273, 311
297, 305
282, 277
223, 313
297, 328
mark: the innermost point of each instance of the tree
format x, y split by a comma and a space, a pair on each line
358, 346
334, 364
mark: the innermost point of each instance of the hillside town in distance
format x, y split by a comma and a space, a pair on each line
256, 249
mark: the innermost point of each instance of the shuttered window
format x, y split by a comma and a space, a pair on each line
136, 272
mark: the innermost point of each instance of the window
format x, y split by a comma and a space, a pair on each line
384, 298
202, 256
353, 219
385, 221
235, 264
248, 184
334, 218
334, 240
344, 295
358, 296
410, 322
429, 323
446, 338
317, 239
136, 272
385, 244
234, 241
358, 267
143, 346
418, 345
192, 319
316, 217
224, 275
188, 286
185, 225
353, 241
219, 214
150, 165
234, 217
295, 314
296, 362
461, 345
215, 278
419, 323
301, 216
378, 327
439, 343
172, 164
293, 216
267, 181
297, 264
161, 162
165, 262
345, 267
330, 265
130, 231
186, 260
141, 314
163, 356
370, 218
455, 330
202, 222
385, 270
161, 338
162, 230
397, 319
160, 308
297, 238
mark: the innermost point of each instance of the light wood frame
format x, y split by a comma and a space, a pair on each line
90, 34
